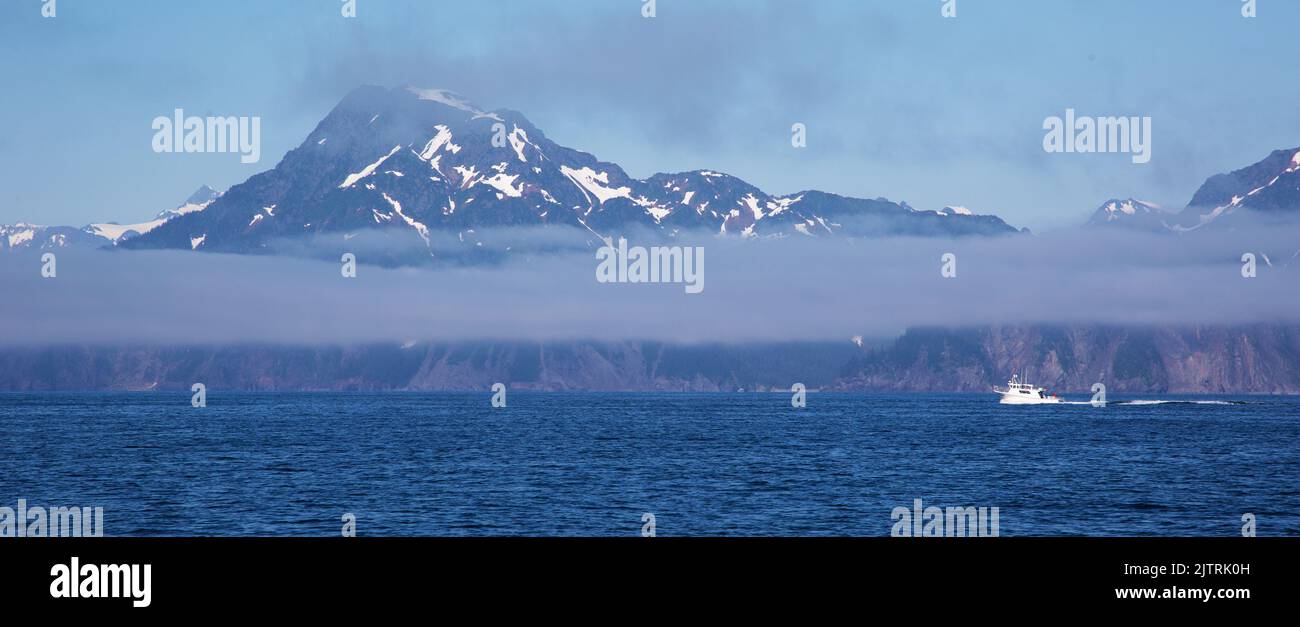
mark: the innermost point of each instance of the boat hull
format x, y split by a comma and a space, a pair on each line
1025, 399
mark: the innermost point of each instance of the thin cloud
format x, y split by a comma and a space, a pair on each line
793, 289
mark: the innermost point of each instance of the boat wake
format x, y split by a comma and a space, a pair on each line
1176, 402
1141, 403
1018, 392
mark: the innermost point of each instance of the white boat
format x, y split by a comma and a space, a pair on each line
1018, 393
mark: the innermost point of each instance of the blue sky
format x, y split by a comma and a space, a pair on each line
898, 101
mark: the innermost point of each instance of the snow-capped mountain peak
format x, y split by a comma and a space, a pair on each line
956, 210
25, 236
408, 162
1130, 213
1269, 188
1271, 185
1115, 208
198, 201
116, 233
405, 162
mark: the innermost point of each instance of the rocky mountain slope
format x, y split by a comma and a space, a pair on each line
422, 366
1253, 359
1268, 189
412, 162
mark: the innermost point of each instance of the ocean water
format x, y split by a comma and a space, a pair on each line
594, 463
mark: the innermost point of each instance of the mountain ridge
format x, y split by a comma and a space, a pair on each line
97, 234
1268, 188
1187, 359
416, 161
405, 163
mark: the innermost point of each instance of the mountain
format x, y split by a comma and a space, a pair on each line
28, 236
574, 365
409, 165
22, 236
1245, 359
1267, 189
1130, 213
1213, 359
1270, 187
198, 201
411, 162
117, 233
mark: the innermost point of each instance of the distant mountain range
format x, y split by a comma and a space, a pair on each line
411, 163
436, 174
1268, 189
21, 235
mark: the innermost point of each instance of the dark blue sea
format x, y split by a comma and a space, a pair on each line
436, 464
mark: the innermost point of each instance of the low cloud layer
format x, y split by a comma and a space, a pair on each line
793, 289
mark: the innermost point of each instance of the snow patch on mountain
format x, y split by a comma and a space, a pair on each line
777, 205
595, 183
368, 170
443, 139
115, 232
505, 182
21, 237
468, 176
518, 140
1115, 208
418, 226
